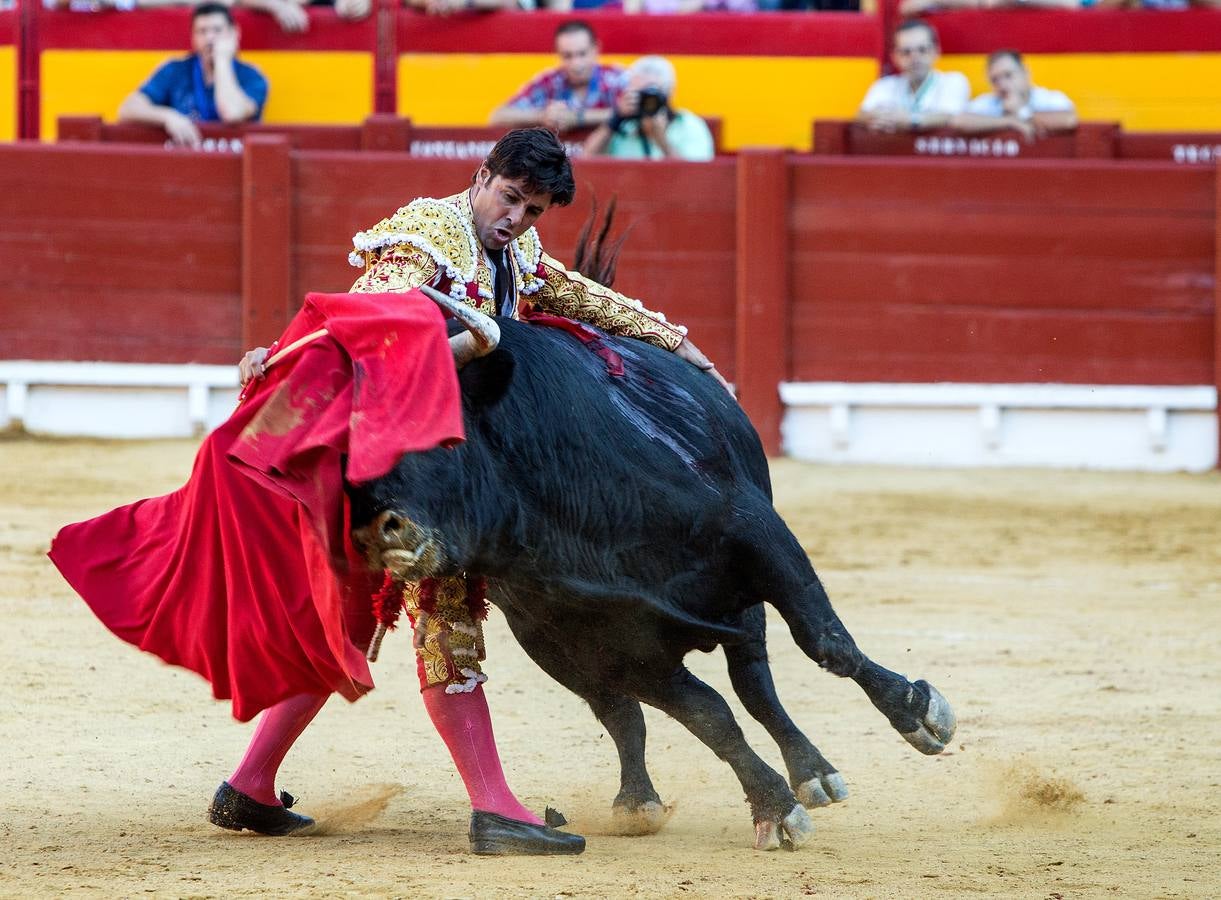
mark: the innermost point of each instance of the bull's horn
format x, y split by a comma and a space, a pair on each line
482, 334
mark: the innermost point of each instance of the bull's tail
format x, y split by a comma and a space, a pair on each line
665, 613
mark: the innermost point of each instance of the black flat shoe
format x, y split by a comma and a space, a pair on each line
493, 835
234, 810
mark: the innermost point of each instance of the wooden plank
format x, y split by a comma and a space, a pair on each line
1217, 300
762, 291
118, 254
904, 271
266, 239
897, 343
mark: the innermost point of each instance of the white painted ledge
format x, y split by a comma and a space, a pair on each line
119, 400
1153, 428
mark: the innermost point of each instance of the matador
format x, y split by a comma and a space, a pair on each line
480, 247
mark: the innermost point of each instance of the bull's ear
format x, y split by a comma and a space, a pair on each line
484, 381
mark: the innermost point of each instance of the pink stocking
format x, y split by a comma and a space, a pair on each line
278, 728
465, 724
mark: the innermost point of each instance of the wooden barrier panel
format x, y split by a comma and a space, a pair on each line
1072, 271
679, 256
129, 256
1090, 140
1184, 148
899, 270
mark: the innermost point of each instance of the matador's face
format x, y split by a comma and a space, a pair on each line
504, 208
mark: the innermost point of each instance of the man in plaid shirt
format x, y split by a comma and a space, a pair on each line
579, 93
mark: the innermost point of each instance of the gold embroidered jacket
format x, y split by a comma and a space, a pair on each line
434, 242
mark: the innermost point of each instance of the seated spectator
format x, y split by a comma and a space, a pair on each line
210, 85
919, 96
645, 126
580, 92
1016, 103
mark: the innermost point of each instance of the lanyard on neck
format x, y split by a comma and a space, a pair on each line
924, 88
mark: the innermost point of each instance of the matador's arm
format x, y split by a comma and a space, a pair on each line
573, 295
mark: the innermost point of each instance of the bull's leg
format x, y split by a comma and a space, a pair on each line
777, 815
916, 710
781, 571
637, 808
816, 781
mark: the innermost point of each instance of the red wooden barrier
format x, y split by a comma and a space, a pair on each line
1090, 140
1073, 271
125, 255
913, 270
1201, 148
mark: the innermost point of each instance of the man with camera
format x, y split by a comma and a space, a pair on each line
645, 125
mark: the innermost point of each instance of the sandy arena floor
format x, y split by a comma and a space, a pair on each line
1074, 621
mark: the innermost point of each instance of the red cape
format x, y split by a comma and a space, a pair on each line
245, 574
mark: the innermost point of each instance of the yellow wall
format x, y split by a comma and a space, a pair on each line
318, 87
1144, 91
762, 99
8, 93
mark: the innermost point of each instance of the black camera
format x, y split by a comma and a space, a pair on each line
652, 101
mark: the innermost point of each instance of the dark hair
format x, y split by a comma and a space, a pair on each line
912, 24
573, 27
1001, 54
536, 155
212, 9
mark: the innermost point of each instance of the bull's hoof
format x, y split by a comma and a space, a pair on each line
822, 791
937, 727
790, 832
646, 818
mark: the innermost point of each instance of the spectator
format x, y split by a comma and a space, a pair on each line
919, 96
645, 126
578, 93
210, 85
1016, 103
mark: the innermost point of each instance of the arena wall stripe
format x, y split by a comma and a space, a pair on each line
1143, 91
324, 88
8, 92
1088, 31
732, 86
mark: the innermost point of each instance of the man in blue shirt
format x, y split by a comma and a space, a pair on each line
210, 85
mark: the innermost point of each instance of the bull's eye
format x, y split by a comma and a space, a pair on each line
391, 525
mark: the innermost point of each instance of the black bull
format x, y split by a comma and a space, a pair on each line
623, 522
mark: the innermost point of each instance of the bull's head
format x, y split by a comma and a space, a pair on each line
392, 540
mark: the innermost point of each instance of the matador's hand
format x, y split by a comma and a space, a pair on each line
692, 354
251, 365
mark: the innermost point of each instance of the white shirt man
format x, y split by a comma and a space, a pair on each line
919, 96
1015, 103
